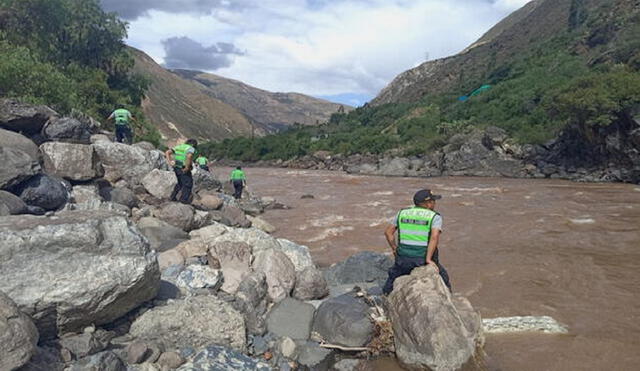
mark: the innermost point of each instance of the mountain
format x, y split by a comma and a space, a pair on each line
537, 21
272, 110
185, 104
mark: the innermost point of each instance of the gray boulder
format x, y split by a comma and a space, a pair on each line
68, 129
105, 361
254, 237
160, 183
18, 335
205, 181
234, 258
196, 277
129, 163
120, 195
435, 335
310, 285
81, 194
279, 272
291, 318
223, 359
23, 117
178, 215
298, 254
16, 166
112, 273
85, 344
18, 141
251, 301
70, 161
234, 217
14, 205
47, 192
145, 145
313, 357
344, 320
366, 266
193, 322
157, 231
45, 358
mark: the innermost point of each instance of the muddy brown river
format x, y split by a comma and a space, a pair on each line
512, 246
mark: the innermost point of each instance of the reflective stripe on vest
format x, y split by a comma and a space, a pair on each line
414, 230
121, 116
180, 154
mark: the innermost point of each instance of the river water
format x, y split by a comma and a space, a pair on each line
512, 246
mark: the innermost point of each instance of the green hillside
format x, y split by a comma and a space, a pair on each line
586, 75
70, 55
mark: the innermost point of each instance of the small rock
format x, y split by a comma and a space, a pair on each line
291, 318
288, 348
137, 352
170, 360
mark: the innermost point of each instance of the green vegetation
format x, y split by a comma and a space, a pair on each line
70, 55
589, 77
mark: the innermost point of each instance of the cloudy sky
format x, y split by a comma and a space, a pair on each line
342, 50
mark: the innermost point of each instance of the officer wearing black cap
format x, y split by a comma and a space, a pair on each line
419, 229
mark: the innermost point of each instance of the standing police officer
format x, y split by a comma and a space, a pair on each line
123, 119
182, 162
419, 229
239, 181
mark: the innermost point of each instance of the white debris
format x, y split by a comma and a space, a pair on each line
544, 324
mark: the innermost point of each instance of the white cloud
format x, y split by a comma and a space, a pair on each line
325, 47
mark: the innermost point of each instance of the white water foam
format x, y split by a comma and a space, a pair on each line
582, 221
330, 232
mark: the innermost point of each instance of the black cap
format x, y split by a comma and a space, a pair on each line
424, 195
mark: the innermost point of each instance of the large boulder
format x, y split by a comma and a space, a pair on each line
205, 181
105, 361
120, 195
279, 271
234, 258
18, 335
254, 237
121, 161
223, 359
47, 192
429, 331
157, 231
366, 266
68, 129
22, 117
18, 141
16, 166
14, 205
234, 217
160, 183
178, 215
298, 254
344, 320
310, 284
112, 270
251, 300
70, 161
291, 318
194, 322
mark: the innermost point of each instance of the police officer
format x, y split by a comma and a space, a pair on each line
419, 229
123, 120
182, 162
239, 181
203, 163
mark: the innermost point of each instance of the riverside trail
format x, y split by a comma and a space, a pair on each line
512, 246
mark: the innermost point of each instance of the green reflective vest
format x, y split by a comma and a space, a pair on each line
180, 154
237, 175
122, 116
414, 230
202, 160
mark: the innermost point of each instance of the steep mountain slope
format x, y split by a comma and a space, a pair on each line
180, 108
273, 110
537, 21
184, 103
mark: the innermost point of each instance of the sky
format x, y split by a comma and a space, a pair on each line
341, 50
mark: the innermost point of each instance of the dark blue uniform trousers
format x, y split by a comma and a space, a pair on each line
404, 265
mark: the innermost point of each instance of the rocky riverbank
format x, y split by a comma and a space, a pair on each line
611, 154
99, 272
